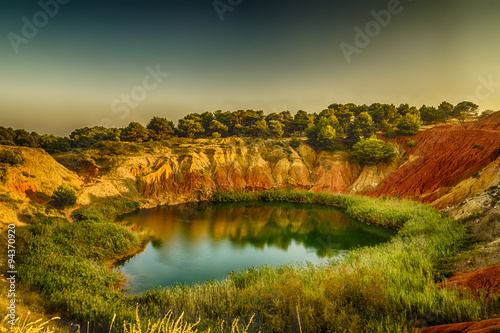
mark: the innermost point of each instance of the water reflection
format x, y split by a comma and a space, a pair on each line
192, 243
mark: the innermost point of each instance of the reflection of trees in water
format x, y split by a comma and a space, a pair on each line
321, 228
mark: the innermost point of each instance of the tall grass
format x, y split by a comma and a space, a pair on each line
105, 209
25, 325
65, 263
388, 288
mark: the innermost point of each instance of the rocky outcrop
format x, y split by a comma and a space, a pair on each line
198, 172
335, 173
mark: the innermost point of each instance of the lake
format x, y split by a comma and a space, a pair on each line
198, 242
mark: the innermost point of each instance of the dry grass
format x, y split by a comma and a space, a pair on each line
170, 325
166, 325
27, 326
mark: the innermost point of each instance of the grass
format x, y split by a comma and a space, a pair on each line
26, 325
105, 210
388, 288
167, 324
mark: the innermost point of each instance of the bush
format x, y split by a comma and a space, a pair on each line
410, 143
391, 133
10, 157
64, 196
294, 143
408, 125
373, 151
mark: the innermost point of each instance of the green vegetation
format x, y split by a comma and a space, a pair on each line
326, 133
105, 210
408, 125
64, 196
336, 127
410, 143
373, 151
10, 157
388, 288
160, 128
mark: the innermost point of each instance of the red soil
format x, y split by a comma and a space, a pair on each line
485, 326
447, 155
486, 280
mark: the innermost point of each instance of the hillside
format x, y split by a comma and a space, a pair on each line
448, 164
23, 187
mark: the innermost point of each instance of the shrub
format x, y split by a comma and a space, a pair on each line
294, 143
410, 143
373, 151
391, 133
408, 125
64, 196
10, 157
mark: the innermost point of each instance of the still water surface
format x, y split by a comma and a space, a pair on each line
194, 243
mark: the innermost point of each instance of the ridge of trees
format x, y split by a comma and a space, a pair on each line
339, 126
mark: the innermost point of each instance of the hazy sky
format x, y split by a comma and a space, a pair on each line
89, 62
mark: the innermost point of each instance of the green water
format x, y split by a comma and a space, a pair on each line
194, 243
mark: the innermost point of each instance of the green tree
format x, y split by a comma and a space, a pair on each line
486, 113
218, 127
444, 110
160, 128
7, 136
26, 139
287, 121
276, 128
89, 136
373, 151
190, 128
54, 144
362, 127
259, 129
408, 125
326, 133
376, 111
341, 112
64, 196
134, 132
224, 118
206, 120
301, 121
429, 114
391, 133
464, 110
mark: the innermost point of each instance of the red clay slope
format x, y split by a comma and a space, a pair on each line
445, 155
485, 326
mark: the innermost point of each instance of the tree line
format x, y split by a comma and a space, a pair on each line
337, 126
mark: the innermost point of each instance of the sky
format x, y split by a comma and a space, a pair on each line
66, 64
